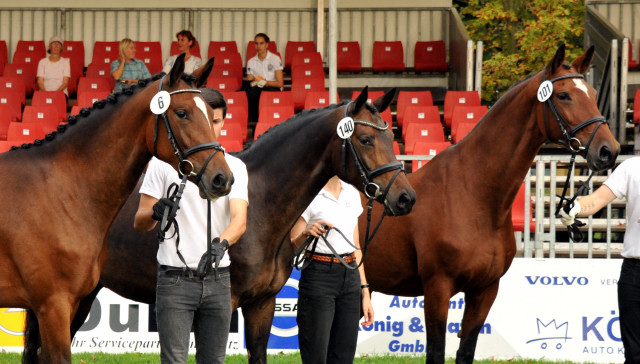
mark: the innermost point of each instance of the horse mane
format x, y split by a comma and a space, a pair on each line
302, 117
112, 99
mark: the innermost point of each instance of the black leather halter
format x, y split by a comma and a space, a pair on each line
177, 149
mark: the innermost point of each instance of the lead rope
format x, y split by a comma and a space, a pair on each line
300, 257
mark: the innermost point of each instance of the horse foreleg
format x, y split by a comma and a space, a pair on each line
477, 306
436, 309
83, 310
258, 317
31, 338
54, 317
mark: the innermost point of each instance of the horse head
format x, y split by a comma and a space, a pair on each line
568, 112
184, 134
369, 142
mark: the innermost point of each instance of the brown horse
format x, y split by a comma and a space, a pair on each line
287, 167
69, 188
460, 236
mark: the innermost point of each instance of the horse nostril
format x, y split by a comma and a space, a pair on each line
405, 201
605, 154
220, 180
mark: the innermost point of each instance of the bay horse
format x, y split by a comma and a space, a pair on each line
287, 167
64, 192
460, 236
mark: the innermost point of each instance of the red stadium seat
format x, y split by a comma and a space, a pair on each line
37, 46
462, 131
300, 87
12, 101
26, 71
75, 110
373, 96
236, 99
195, 50
104, 58
466, 114
101, 70
636, 107
455, 98
430, 56
307, 58
517, 212
420, 115
73, 46
94, 84
4, 55
87, 98
307, 70
30, 58
217, 47
260, 129
229, 134
25, 132
276, 98
229, 59
5, 145
411, 98
251, 50
76, 62
316, 99
45, 115
151, 54
396, 148
349, 57
102, 47
295, 47
5, 120
429, 132
388, 56
14, 84
226, 71
273, 114
238, 115
224, 84
56, 99
633, 63
426, 148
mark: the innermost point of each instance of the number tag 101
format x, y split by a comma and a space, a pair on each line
345, 128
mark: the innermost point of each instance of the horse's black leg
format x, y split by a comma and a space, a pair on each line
83, 310
436, 309
32, 340
477, 306
258, 317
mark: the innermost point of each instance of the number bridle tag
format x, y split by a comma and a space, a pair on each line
160, 102
545, 91
345, 127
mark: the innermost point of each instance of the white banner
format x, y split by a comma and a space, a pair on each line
557, 309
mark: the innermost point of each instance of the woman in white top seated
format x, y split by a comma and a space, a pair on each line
186, 41
54, 71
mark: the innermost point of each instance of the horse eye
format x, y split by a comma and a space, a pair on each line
182, 114
564, 96
366, 140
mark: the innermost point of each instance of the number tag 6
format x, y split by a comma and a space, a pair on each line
345, 128
160, 102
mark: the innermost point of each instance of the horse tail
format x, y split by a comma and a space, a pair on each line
32, 340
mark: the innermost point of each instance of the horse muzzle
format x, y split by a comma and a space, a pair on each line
603, 157
400, 205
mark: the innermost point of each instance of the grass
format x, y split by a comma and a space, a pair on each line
140, 358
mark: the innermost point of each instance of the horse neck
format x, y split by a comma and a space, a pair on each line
503, 145
107, 151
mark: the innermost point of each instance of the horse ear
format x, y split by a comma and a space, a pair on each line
382, 103
557, 61
581, 64
202, 73
361, 100
177, 70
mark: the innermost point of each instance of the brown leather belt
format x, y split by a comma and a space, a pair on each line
331, 259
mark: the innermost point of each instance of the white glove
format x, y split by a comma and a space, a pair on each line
262, 83
569, 218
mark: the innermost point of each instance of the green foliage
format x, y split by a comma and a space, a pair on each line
520, 37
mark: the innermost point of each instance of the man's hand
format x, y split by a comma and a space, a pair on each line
159, 207
218, 248
262, 83
569, 218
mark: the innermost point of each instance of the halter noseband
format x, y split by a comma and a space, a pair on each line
371, 189
177, 149
564, 124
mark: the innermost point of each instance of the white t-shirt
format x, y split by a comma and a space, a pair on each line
190, 65
266, 68
54, 73
192, 215
342, 213
624, 182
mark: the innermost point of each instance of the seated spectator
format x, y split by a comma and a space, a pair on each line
54, 71
186, 41
264, 72
126, 69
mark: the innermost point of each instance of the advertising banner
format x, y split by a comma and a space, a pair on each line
556, 309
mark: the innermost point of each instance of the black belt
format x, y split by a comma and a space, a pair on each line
184, 272
632, 261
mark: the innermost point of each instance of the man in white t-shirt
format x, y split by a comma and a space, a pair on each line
54, 71
264, 72
624, 182
183, 297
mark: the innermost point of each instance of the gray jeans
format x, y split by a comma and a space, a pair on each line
183, 302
